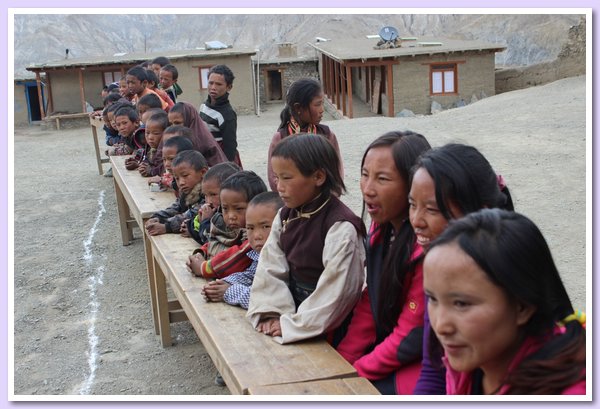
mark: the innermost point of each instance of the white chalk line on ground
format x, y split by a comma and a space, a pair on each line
95, 280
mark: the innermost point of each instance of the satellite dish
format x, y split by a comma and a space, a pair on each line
388, 33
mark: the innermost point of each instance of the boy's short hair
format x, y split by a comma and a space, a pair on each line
151, 77
222, 171
118, 105
225, 71
181, 143
180, 130
111, 98
246, 182
139, 72
267, 198
129, 112
160, 117
150, 100
172, 69
194, 158
162, 61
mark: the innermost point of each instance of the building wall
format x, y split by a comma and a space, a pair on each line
290, 72
65, 90
412, 83
242, 93
21, 112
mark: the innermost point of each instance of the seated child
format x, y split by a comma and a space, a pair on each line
140, 155
127, 123
225, 251
168, 80
199, 227
147, 102
171, 147
112, 134
137, 83
311, 269
166, 179
155, 126
124, 89
235, 289
189, 168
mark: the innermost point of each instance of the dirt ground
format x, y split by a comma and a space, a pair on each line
82, 319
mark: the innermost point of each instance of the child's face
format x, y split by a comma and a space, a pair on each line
233, 205
123, 89
211, 189
259, 219
111, 119
169, 153
134, 85
107, 121
156, 68
166, 79
425, 216
474, 319
154, 132
187, 177
294, 188
142, 109
175, 118
314, 112
217, 86
125, 126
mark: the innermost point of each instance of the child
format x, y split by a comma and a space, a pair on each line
189, 168
185, 114
171, 147
157, 63
302, 113
167, 77
112, 134
124, 89
225, 251
150, 101
155, 126
384, 338
235, 289
199, 227
500, 311
447, 183
137, 83
218, 113
310, 273
152, 79
127, 123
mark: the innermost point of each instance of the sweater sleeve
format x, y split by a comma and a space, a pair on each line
229, 135
361, 332
405, 344
431, 381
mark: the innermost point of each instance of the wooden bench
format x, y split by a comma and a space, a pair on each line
344, 386
59, 117
244, 357
97, 125
135, 205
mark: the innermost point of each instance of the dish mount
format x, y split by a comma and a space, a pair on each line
389, 38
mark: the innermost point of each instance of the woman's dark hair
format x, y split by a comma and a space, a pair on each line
311, 153
194, 158
162, 61
225, 71
172, 69
513, 253
221, 171
463, 177
398, 268
151, 77
151, 101
301, 92
139, 72
246, 182
181, 143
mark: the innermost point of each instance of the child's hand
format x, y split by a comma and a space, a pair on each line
206, 211
194, 263
183, 229
155, 228
215, 290
131, 164
154, 179
270, 326
144, 169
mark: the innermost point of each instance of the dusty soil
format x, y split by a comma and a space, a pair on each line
82, 319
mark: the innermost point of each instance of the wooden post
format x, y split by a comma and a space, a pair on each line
337, 85
344, 82
390, 89
81, 92
49, 93
38, 81
349, 82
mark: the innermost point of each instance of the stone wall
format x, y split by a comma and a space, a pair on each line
290, 72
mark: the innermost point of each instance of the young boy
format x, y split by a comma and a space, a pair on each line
127, 123
150, 101
168, 80
189, 168
155, 126
218, 113
137, 85
235, 289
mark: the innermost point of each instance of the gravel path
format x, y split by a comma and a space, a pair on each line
82, 314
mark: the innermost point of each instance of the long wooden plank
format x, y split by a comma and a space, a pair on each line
345, 386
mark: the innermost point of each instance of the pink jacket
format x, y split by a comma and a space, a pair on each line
460, 383
384, 358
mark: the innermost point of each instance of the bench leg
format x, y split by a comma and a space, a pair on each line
151, 278
162, 305
98, 159
123, 210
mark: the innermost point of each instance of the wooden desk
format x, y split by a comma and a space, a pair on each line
345, 386
134, 199
98, 124
244, 357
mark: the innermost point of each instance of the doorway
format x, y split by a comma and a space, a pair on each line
274, 85
33, 101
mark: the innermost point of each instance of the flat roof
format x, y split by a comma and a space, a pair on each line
135, 58
363, 48
284, 60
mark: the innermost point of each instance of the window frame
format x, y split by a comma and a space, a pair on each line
203, 84
443, 68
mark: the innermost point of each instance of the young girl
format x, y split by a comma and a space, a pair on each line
183, 113
310, 273
384, 339
500, 310
448, 183
302, 113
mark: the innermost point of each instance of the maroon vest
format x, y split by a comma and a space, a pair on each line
303, 239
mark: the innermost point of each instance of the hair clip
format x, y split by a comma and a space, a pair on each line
576, 316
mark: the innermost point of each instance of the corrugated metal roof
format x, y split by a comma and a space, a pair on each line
363, 49
134, 58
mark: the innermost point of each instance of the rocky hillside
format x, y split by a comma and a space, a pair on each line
529, 39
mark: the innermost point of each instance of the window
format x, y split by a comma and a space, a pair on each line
443, 79
203, 72
111, 76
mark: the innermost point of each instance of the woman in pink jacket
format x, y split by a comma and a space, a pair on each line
384, 338
500, 311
